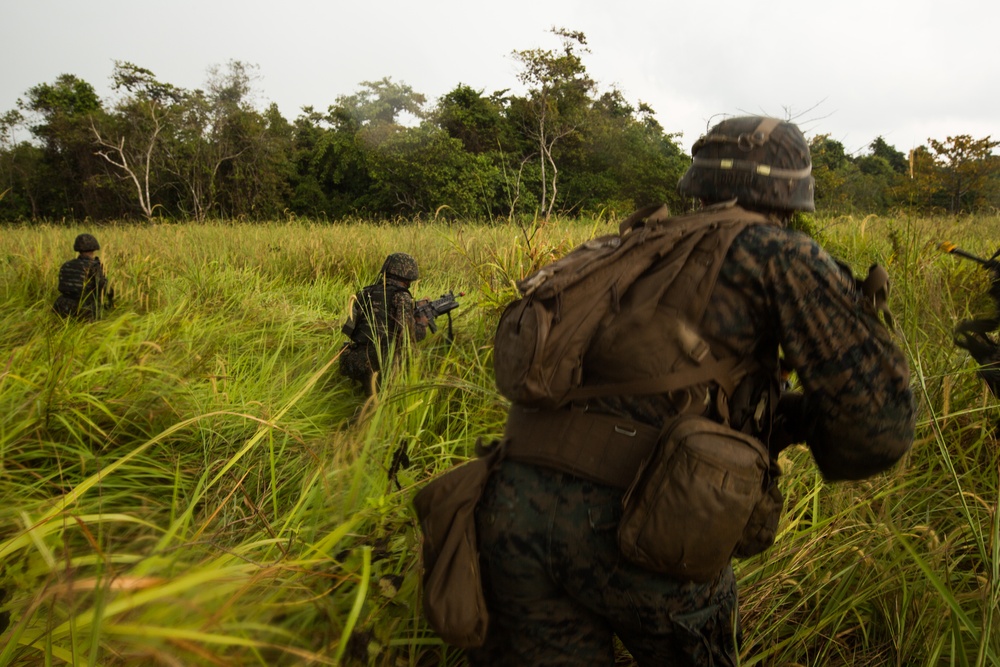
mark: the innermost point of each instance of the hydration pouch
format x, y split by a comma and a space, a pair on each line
453, 599
691, 502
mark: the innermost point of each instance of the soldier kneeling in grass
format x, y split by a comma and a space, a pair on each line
83, 288
383, 321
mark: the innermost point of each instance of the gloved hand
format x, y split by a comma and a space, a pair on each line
420, 311
791, 424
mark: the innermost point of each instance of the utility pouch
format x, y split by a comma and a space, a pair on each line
762, 528
691, 502
453, 599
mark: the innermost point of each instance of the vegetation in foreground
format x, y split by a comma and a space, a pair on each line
189, 481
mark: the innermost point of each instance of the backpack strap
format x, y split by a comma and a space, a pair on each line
647, 214
722, 371
691, 348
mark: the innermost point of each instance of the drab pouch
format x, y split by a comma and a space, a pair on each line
687, 509
453, 599
762, 527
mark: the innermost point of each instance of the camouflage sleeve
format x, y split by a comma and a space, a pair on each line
102, 280
94, 281
403, 313
420, 328
858, 410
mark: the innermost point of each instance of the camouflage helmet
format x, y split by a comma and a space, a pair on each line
400, 265
86, 243
762, 162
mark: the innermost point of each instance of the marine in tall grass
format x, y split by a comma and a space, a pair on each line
383, 322
978, 335
557, 584
83, 287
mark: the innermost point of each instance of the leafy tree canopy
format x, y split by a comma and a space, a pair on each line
377, 102
561, 144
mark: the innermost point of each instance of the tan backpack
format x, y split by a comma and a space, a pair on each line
620, 315
577, 312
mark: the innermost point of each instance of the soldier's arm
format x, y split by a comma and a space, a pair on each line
405, 317
93, 278
856, 412
420, 325
102, 279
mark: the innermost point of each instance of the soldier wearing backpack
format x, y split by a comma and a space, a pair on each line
682, 377
83, 288
382, 321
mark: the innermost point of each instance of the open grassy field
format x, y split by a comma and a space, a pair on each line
190, 482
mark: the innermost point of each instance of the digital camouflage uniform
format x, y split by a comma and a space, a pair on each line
384, 321
81, 282
557, 585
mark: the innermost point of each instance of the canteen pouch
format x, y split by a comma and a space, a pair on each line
762, 528
687, 509
453, 599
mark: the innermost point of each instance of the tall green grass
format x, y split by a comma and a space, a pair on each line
189, 481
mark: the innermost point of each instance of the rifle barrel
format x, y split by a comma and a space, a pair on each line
951, 248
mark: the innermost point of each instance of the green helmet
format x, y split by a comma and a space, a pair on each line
762, 162
400, 265
86, 243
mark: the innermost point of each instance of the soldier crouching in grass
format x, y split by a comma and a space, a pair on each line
382, 322
557, 581
82, 283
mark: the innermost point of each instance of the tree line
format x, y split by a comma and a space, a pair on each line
383, 152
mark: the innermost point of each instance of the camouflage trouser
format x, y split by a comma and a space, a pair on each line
355, 364
558, 588
70, 307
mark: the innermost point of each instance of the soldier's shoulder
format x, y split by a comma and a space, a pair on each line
784, 254
776, 239
727, 212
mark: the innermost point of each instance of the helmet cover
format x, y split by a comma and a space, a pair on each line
764, 163
86, 243
400, 265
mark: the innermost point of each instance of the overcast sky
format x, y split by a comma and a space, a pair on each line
906, 70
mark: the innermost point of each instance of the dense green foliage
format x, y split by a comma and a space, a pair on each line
156, 151
956, 175
189, 481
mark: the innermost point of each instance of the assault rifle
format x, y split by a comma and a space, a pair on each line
974, 335
992, 264
434, 309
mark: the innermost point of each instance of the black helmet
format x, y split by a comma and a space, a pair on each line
400, 265
762, 162
86, 243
